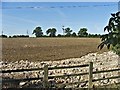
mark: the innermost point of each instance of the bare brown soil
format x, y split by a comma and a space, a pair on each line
40, 49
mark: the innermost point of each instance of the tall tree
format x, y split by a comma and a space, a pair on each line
112, 39
82, 32
51, 32
38, 32
68, 31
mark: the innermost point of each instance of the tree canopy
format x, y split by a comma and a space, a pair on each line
82, 32
38, 32
51, 32
112, 39
73, 34
68, 31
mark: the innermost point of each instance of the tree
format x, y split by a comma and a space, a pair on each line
3, 36
68, 31
82, 32
51, 32
38, 32
74, 34
112, 39
59, 35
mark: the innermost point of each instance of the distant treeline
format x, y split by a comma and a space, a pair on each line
67, 32
14, 36
59, 35
51, 32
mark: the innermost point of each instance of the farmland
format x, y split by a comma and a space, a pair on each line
42, 49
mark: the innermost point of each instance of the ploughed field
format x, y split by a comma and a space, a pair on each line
42, 49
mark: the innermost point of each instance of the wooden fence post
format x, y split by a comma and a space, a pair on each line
45, 78
90, 75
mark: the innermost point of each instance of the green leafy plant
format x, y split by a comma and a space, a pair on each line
38, 32
112, 39
68, 32
82, 32
51, 32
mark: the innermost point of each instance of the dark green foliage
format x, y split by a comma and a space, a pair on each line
82, 32
3, 36
59, 35
116, 49
112, 39
38, 32
10, 36
51, 32
20, 36
94, 35
73, 34
68, 32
